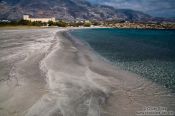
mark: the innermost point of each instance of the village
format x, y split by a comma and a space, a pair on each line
53, 22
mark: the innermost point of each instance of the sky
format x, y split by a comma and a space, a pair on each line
158, 8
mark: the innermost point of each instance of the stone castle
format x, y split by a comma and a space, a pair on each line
26, 17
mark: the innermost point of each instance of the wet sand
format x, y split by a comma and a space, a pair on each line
64, 77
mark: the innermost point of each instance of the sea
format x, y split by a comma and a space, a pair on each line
148, 53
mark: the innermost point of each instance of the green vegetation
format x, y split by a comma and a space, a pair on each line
23, 23
114, 24
87, 24
60, 23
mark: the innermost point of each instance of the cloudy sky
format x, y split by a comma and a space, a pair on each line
162, 8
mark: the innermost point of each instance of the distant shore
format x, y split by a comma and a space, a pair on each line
44, 27
110, 24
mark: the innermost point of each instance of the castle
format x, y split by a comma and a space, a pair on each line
26, 17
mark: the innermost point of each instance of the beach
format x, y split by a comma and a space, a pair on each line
49, 72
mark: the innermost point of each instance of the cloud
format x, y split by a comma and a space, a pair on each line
153, 7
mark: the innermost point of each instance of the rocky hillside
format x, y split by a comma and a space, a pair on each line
66, 9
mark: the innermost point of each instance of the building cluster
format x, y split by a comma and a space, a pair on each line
27, 17
53, 19
5, 21
27, 20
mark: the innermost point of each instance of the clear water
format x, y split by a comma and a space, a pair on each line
149, 53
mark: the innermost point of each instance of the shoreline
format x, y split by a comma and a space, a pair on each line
69, 28
133, 65
85, 81
78, 82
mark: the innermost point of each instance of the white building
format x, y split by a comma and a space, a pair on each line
26, 17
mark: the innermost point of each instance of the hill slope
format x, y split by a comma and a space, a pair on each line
65, 9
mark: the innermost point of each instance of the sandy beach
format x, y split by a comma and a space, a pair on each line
48, 72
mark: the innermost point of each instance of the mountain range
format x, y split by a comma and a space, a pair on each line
67, 9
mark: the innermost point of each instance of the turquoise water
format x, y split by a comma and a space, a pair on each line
149, 53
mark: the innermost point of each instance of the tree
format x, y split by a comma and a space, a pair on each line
37, 23
87, 24
61, 23
51, 23
24, 22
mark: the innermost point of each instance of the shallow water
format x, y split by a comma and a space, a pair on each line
149, 53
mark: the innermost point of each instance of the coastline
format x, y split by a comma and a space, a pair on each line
150, 26
78, 82
87, 85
